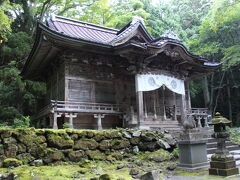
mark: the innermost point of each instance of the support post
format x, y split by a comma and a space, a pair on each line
55, 126
183, 108
164, 108
188, 98
140, 107
99, 120
174, 106
71, 116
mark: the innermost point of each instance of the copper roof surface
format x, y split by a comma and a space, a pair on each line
82, 30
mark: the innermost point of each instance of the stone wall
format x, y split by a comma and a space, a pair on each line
45, 146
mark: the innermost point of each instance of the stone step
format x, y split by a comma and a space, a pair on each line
230, 148
214, 144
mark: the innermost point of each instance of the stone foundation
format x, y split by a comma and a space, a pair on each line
54, 146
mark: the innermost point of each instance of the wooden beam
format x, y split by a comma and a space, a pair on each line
140, 112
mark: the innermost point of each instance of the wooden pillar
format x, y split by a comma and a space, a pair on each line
99, 120
55, 125
71, 116
164, 110
154, 104
174, 106
188, 96
183, 108
140, 107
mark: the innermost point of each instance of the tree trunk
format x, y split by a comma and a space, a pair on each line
206, 92
218, 93
229, 98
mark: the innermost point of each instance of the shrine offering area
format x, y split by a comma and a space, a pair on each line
44, 146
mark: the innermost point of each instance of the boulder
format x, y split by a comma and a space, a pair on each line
21, 148
37, 162
86, 144
135, 149
134, 172
164, 144
11, 150
25, 157
53, 155
127, 135
148, 136
104, 177
171, 167
148, 146
153, 175
136, 134
5, 133
120, 143
95, 155
105, 144
9, 140
60, 142
134, 140
170, 140
11, 162
76, 156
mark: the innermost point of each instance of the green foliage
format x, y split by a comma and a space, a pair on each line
24, 122
66, 125
5, 21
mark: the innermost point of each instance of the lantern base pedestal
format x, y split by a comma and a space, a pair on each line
193, 151
223, 165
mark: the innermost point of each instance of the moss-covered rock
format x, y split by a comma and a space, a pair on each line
135, 140
61, 142
74, 137
21, 148
95, 155
53, 155
148, 136
105, 144
99, 137
5, 133
9, 140
76, 156
159, 156
11, 150
86, 144
148, 146
1, 149
37, 150
120, 143
11, 162
25, 158
104, 177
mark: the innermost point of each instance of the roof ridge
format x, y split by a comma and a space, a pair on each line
84, 23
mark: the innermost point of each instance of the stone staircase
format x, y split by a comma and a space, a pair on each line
233, 149
212, 146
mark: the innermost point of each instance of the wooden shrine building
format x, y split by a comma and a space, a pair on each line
99, 77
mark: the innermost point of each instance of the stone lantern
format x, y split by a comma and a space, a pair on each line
222, 163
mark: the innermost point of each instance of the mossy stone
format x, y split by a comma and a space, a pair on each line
95, 155
37, 150
21, 148
99, 137
74, 137
5, 133
1, 149
53, 155
148, 146
90, 134
61, 142
76, 156
135, 140
11, 162
86, 144
148, 136
9, 140
105, 144
120, 143
11, 150
104, 177
25, 157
